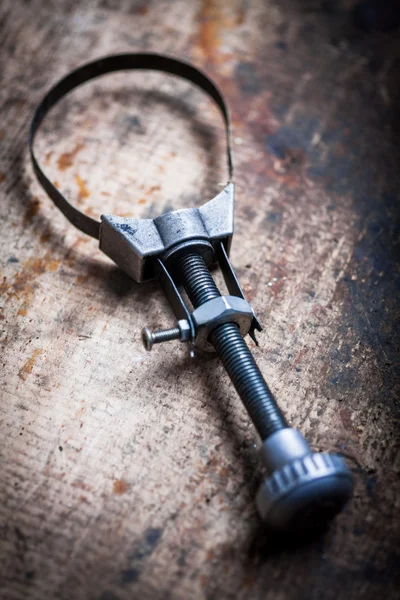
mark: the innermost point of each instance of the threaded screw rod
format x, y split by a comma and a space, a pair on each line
157, 337
233, 351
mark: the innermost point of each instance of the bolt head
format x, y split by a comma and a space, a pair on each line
305, 493
147, 338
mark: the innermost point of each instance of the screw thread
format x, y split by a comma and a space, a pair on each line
150, 338
165, 335
197, 279
247, 379
233, 351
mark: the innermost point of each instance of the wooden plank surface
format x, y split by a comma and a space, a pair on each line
132, 475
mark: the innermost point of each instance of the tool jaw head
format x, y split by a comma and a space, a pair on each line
130, 243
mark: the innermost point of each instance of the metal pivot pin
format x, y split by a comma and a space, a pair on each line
178, 248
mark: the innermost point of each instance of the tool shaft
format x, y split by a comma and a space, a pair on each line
233, 351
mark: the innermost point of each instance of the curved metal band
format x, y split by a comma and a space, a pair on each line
109, 64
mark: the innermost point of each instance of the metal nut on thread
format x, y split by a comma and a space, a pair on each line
181, 333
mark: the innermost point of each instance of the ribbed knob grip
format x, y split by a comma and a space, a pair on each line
305, 492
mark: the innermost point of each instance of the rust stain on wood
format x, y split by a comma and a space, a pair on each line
153, 188
215, 19
142, 9
30, 363
48, 156
120, 487
210, 26
24, 284
66, 159
83, 190
45, 236
32, 210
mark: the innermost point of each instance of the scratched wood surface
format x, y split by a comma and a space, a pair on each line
126, 474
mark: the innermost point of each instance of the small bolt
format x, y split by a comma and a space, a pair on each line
182, 333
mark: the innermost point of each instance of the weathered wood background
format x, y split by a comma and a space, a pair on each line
132, 475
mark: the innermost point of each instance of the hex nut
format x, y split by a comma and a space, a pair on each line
184, 328
215, 312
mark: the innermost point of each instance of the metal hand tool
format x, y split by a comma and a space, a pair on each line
178, 248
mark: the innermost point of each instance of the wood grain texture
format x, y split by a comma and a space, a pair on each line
132, 475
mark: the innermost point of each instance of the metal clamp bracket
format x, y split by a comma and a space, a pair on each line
132, 242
